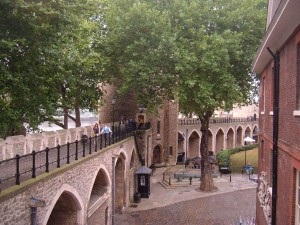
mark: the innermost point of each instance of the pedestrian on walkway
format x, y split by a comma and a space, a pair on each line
106, 131
96, 129
122, 128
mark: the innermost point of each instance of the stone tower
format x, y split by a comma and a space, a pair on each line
157, 145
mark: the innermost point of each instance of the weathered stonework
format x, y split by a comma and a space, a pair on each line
77, 180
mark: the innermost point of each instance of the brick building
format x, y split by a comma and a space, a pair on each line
278, 64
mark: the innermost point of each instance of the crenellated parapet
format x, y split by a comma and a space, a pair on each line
22, 145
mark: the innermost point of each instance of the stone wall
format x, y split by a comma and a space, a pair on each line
22, 145
214, 128
75, 180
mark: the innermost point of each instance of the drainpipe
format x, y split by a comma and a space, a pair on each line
34, 203
275, 132
113, 187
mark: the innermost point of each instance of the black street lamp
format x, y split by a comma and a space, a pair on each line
113, 102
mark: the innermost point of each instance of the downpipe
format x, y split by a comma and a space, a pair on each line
276, 59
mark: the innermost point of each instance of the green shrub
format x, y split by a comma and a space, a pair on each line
223, 157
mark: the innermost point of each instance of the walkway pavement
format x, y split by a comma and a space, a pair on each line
233, 203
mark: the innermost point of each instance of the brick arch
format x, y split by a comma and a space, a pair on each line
230, 138
219, 140
193, 144
70, 198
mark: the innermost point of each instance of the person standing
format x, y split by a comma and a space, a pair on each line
96, 129
106, 131
122, 128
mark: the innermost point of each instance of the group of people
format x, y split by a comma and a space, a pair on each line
107, 130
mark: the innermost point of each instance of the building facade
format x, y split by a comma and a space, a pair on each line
278, 64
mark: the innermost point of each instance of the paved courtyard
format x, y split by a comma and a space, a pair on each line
232, 204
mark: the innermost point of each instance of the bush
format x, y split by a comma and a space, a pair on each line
223, 157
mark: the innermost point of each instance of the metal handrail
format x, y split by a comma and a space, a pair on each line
16, 170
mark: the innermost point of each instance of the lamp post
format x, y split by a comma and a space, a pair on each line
248, 141
113, 102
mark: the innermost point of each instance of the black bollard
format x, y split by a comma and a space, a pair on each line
230, 177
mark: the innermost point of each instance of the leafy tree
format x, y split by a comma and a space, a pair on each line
22, 68
198, 51
53, 47
218, 43
140, 45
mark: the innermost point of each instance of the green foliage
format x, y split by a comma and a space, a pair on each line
223, 157
141, 46
49, 58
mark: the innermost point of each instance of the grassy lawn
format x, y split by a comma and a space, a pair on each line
238, 159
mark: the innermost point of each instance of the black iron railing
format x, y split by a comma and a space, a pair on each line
190, 121
16, 170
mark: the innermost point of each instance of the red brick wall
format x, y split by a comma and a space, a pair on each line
289, 130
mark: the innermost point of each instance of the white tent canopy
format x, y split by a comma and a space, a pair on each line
249, 139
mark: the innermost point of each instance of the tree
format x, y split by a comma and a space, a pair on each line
218, 42
21, 69
140, 45
53, 47
198, 51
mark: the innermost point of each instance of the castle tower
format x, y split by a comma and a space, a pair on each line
124, 108
157, 145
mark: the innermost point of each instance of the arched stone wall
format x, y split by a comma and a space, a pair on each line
181, 142
219, 140
193, 145
66, 201
76, 181
230, 139
99, 196
210, 142
120, 197
239, 136
158, 155
248, 132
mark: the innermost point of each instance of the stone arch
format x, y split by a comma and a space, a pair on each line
193, 145
248, 132
132, 159
210, 140
219, 140
157, 155
239, 136
120, 193
230, 139
255, 133
98, 196
65, 208
181, 148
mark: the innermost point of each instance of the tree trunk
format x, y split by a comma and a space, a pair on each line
206, 172
77, 113
66, 117
65, 108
